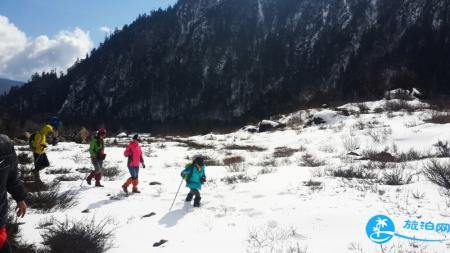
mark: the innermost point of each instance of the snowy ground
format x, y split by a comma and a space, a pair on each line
277, 210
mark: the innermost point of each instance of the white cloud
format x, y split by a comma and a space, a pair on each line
105, 29
21, 57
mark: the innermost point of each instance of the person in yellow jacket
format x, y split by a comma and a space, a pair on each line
39, 146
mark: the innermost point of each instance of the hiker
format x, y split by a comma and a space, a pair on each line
38, 143
9, 182
134, 153
97, 152
194, 174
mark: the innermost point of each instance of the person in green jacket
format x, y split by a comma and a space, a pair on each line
97, 152
194, 174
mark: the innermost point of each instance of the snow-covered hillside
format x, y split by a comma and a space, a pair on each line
276, 191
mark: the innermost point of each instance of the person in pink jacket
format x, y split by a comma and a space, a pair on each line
134, 153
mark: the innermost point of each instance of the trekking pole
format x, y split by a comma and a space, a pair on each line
176, 194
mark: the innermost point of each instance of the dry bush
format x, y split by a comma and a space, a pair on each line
439, 117
397, 176
373, 155
311, 161
350, 143
112, 173
68, 178
438, 173
234, 163
443, 148
354, 172
58, 171
379, 135
83, 135
24, 158
363, 108
233, 159
398, 105
239, 178
272, 238
77, 237
192, 144
284, 152
250, 148
51, 198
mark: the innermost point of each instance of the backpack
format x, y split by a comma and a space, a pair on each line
31, 141
189, 174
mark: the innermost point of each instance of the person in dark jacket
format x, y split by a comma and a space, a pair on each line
10, 183
194, 174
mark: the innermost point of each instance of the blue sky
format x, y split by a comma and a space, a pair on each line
40, 35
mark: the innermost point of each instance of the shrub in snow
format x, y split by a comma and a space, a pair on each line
68, 178
234, 164
24, 158
411, 155
443, 148
273, 238
380, 134
398, 105
84, 170
350, 143
58, 171
314, 185
266, 171
239, 178
250, 148
77, 237
78, 158
363, 108
439, 117
51, 198
374, 155
112, 172
25, 172
438, 173
284, 152
354, 172
397, 176
310, 161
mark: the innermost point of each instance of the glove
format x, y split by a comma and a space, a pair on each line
203, 179
43, 145
143, 166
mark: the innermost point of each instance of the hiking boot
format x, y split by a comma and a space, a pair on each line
197, 202
89, 178
135, 190
189, 197
124, 188
97, 184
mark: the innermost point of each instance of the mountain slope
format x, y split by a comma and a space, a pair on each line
6, 84
222, 61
